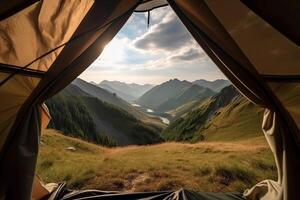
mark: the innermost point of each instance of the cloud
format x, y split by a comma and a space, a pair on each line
164, 50
168, 35
189, 55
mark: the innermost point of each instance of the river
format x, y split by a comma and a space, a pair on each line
148, 110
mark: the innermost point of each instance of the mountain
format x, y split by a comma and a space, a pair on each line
216, 85
172, 94
81, 115
127, 91
123, 95
113, 99
192, 93
226, 110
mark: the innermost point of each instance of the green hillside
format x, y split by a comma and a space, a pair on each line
108, 97
89, 118
216, 85
205, 166
71, 115
184, 109
193, 93
132, 131
189, 127
240, 120
171, 94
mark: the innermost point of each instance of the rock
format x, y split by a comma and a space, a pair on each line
71, 148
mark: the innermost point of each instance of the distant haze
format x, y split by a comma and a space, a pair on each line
153, 55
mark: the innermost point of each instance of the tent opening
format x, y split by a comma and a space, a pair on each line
154, 113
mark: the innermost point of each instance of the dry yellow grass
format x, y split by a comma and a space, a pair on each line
205, 166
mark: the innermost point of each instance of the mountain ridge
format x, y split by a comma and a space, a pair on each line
102, 119
216, 85
171, 94
127, 91
197, 124
113, 99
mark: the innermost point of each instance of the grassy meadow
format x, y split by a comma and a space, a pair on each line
203, 166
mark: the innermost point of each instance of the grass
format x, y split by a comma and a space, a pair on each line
239, 121
205, 166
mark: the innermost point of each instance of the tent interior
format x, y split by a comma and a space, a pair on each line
45, 45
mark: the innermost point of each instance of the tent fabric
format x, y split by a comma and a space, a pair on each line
47, 44
62, 193
148, 5
209, 23
272, 54
86, 43
287, 24
41, 36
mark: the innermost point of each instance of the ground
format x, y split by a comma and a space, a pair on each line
204, 166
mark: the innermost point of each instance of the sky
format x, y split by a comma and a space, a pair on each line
154, 54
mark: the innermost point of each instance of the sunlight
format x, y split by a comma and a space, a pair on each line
114, 51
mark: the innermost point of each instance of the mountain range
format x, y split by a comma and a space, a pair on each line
127, 91
172, 94
92, 113
226, 112
216, 85
196, 112
113, 99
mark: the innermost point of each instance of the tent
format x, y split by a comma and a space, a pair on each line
44, 45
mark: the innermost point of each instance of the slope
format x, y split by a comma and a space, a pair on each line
127, 91
192, 93
205, 166
71, 115
127, 97
171, 94
216, 85
240, 120
111, 98
98, 119
226, 111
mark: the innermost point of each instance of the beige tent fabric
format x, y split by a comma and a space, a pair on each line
26, 36
44, 26
13, 94
95, 29
40, 190
211, 22
45, 116
269, 51
289, 95
270, 189
89, 25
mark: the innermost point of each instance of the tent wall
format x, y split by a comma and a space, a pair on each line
246, 49
46, 44
282, 15
62, 38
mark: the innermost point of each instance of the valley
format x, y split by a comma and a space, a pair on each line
172, 111
204, 137
205, 166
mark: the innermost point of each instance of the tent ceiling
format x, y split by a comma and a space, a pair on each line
148, 5
267, 49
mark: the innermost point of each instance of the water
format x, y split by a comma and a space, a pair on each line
148, 110
135, 105
165, 120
